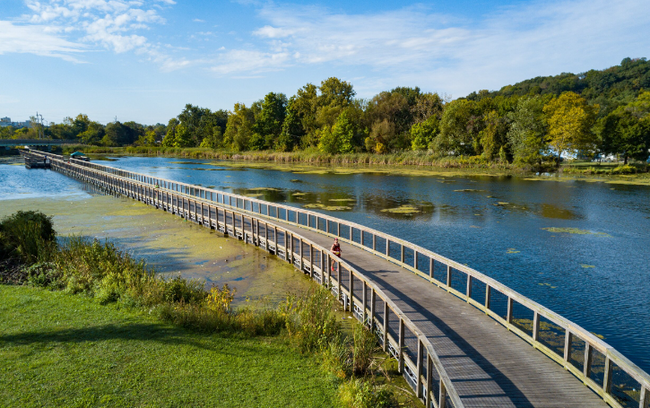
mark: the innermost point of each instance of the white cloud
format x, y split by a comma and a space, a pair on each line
416, 46
37, 40
59, 28
238, 61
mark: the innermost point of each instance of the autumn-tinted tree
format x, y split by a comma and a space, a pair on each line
570, 120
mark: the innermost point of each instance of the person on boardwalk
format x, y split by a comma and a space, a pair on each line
336, 250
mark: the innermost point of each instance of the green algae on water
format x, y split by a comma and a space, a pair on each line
403, 209
576, 231
327, 207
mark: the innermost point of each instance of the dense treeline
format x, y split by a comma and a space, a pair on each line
597, 113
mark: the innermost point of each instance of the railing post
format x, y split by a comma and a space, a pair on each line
387, 248
535, 326
415, 260
487, 297
568, 338
338, 281
351, 287
431, 260
374, 242
607, 377
300, 254
400, 347
442, 398
362, 237
427, 398
586, 367
311, 261
449, 276
373, 304
364, 302
468, 291
643, 397
509, 310
418, 387
402, 253
386, 311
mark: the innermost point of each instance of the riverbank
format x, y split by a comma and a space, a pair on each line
63, 350
407, 163
117, 286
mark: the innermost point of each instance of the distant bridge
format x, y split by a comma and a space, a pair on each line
35, 142
461, 338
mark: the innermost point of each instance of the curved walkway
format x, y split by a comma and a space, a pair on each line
489, 366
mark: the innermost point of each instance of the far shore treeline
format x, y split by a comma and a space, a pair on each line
593, 114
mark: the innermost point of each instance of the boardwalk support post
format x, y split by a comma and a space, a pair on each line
400, 347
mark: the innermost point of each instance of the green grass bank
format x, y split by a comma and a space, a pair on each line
63, 350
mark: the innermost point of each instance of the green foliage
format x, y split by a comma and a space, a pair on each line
361, 393
527, 133
570, 120
310, 319
626, 130
26, 236
423, 133
364, 347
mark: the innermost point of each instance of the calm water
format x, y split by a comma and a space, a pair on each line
600, 279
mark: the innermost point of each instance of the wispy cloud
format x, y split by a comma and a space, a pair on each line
417, 46
37, 40
65, 28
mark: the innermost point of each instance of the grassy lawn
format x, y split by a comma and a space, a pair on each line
63, 350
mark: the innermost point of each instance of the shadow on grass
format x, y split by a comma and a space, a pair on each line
138, 331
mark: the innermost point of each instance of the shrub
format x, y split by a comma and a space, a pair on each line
44, 274
360, 393
310, 319
363, 349
626, 169
27, 236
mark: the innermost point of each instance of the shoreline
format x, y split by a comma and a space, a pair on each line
405, 164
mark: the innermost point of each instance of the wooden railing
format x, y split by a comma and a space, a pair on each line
606, 371
358, 294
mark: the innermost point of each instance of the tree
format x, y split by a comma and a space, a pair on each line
344, 136
626, 131
423, 133
239, 128
334, 92
118, 134
527, 135
268, 123
292, 129
459, 128
170, 136
493, 135
93, 134
570, 120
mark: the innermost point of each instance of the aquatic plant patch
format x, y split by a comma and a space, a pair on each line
576, 231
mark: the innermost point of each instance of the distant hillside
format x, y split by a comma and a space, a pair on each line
610, 87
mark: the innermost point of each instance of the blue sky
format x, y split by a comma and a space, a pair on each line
143, 60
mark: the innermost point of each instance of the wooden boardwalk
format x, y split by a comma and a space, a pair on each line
489, 366
453, 345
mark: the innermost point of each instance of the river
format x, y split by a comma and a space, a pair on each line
579, 248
